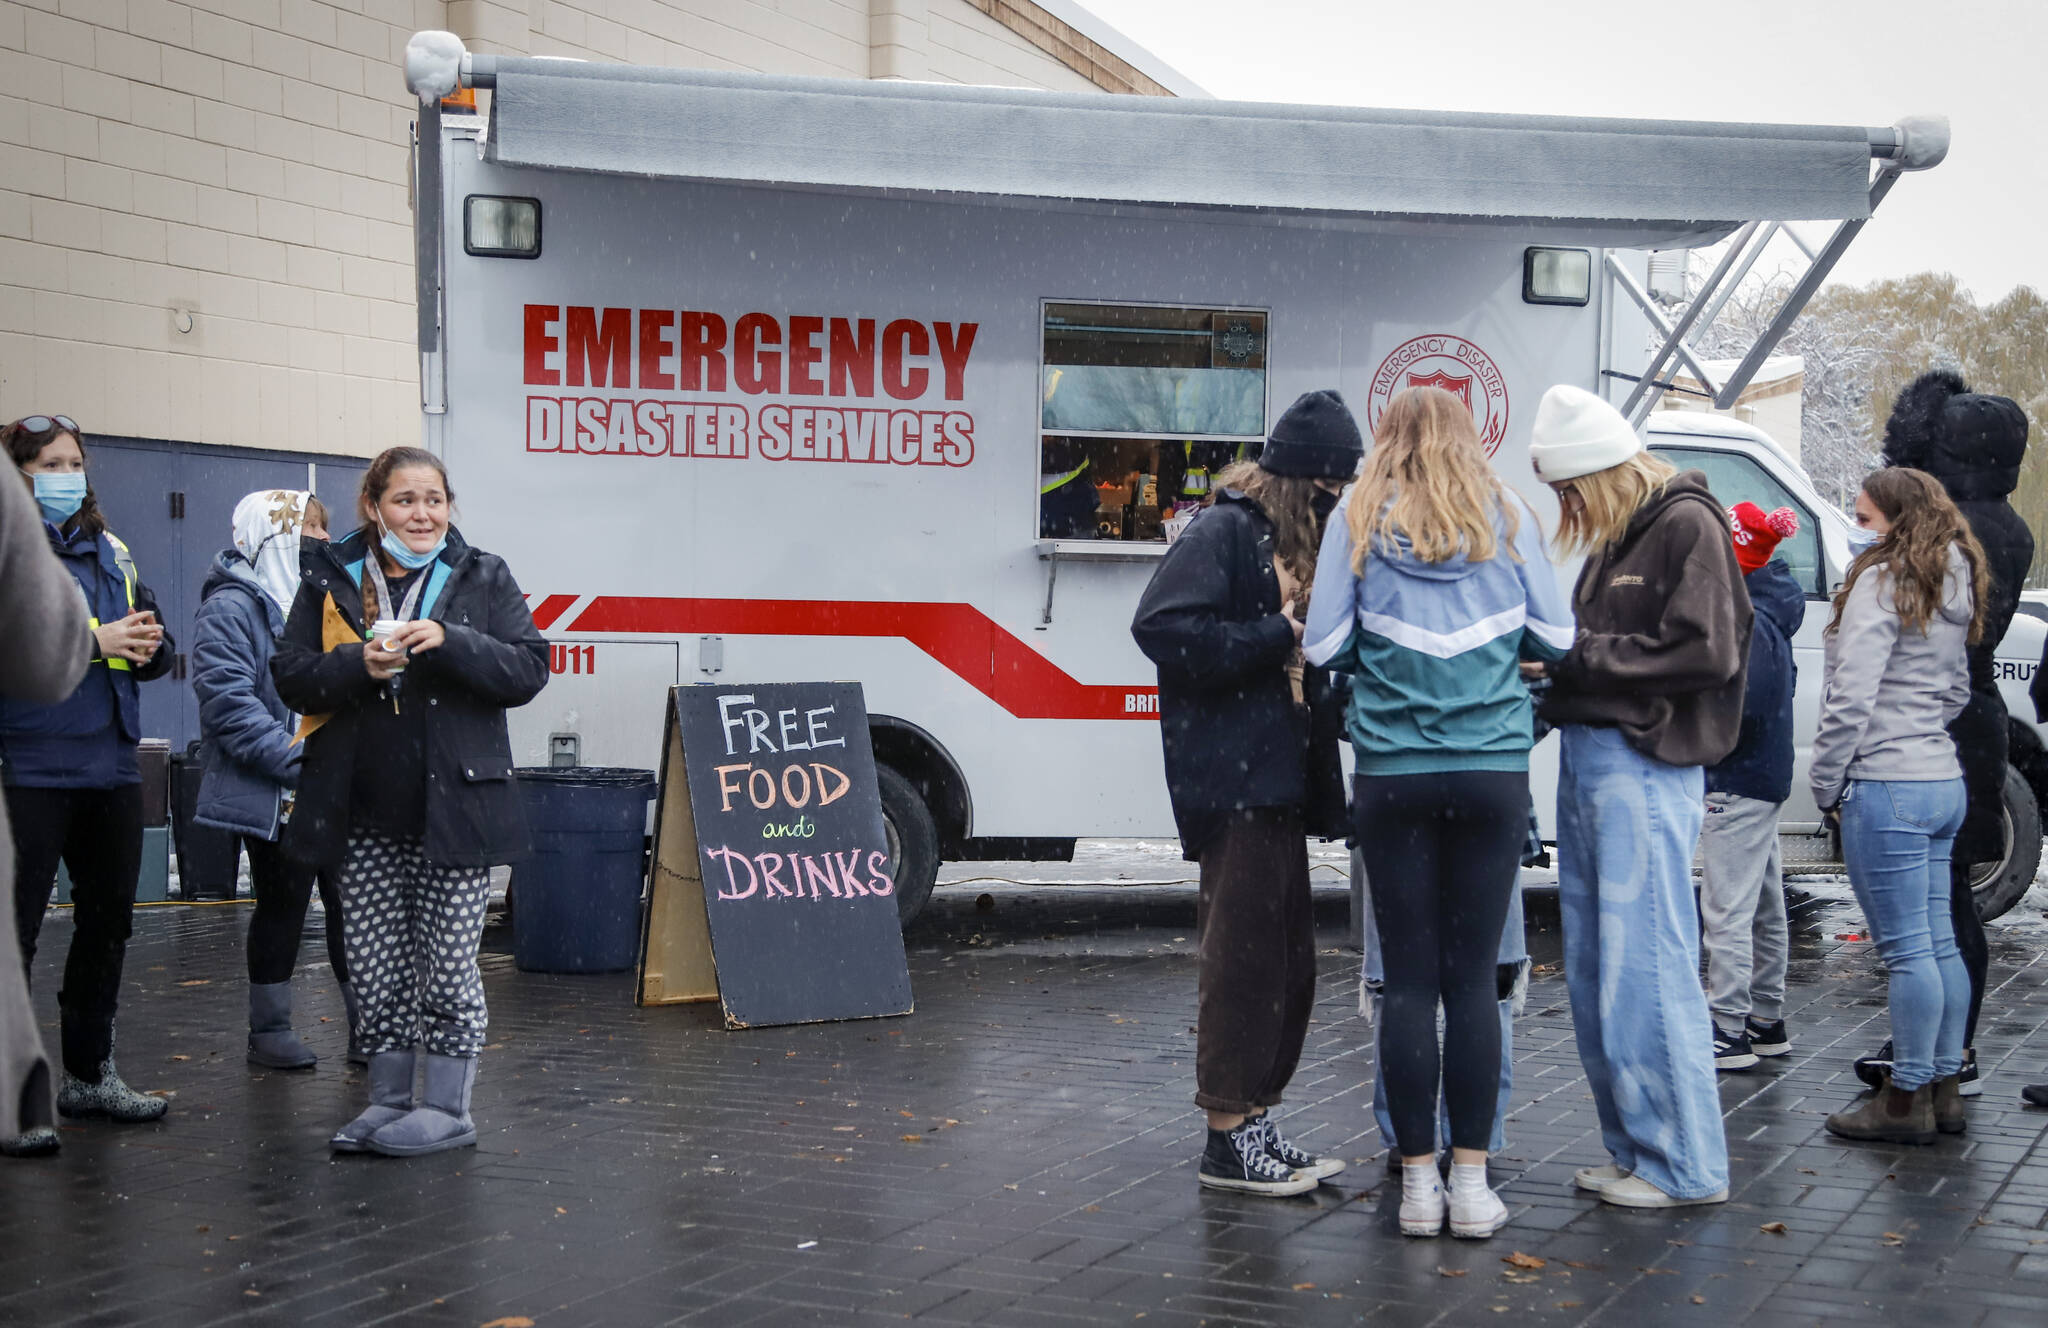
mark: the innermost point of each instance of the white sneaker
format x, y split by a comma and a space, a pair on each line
1635, 1192
1597, 1179
1476, 1211
1422, 1200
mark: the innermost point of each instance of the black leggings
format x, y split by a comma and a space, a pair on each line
1969, 928
1441, 851
283, 887
97, 835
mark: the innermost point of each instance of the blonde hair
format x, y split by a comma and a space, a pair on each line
1427, 478
1610, 500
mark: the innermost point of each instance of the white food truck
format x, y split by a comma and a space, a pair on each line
769, 378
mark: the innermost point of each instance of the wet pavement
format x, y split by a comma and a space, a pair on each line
1019, 1151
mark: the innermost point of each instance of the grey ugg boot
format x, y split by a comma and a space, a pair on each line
441, 1121
390, 1099
356, 1054
271, 1041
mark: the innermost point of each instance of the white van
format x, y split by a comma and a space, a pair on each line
1743, 463
770, 378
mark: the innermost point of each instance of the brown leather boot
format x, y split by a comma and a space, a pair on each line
1889, 1115
1948, 1105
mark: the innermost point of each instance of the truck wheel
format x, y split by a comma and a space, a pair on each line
913, 843
1999, 885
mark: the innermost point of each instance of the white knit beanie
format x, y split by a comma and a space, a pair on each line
1576, 434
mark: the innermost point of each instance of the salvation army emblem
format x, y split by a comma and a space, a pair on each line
1457, 366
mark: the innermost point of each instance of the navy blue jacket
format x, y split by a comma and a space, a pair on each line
88, 739
245, 730
1760, 767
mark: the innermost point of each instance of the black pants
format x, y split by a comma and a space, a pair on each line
1969, 928
1441, 851
97, 835
283, 887
1256, 938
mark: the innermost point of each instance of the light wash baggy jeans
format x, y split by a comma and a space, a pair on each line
1742, 909
1627, 826
1897, 837
1514, 949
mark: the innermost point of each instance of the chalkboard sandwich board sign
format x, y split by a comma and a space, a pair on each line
772, 888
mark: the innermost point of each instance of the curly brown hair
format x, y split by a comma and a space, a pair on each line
1289, 503
24, 446
1925, 524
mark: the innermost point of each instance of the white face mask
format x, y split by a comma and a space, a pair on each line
1861, 540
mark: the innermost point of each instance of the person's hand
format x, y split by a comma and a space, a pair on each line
1287, 611
1832, 818
1533, 669
420, 635
134, 638
383, 664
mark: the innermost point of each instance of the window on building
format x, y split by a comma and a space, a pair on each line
1734, 478
1140, 406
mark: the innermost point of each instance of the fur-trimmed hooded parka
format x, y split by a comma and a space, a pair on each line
1973, 443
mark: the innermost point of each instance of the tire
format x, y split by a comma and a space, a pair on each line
2000, 885
913, 843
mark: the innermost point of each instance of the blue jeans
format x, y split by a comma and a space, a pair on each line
1627, 826
1897, 837
1514, 949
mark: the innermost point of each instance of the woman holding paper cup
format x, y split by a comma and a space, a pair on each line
74, 789
404, 649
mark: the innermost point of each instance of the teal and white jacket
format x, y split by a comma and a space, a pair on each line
1432, 648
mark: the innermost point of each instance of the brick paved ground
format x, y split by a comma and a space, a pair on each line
1020, 1151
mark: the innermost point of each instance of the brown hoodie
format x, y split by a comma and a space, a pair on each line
1663, 633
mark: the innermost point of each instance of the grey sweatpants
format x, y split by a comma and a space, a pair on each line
1742, 911
412, 929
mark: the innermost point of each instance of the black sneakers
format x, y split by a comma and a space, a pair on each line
1969, 1085
1767, 1039
1296, 1159
1732, 1051
1237, 1160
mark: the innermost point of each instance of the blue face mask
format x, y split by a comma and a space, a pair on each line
59, 495
1861, 540
405, 557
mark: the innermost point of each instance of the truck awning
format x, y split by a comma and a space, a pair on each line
1609, 181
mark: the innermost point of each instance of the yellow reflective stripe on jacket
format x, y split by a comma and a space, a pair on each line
126, 562
1047, 486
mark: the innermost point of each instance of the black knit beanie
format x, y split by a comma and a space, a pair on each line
1317, 439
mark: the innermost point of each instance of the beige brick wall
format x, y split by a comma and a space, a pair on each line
204, 231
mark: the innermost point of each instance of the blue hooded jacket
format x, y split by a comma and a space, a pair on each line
1760, 767
245, 730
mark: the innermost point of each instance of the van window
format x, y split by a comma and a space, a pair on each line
1139, 406
1735, 478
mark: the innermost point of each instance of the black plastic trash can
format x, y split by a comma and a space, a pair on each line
577, 899
209, 858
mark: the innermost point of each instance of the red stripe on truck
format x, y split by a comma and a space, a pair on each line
551, 608
959, 636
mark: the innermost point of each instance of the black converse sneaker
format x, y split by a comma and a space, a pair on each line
1768, 1039
1732, 1051
1237, 1160
1968, 1083
1296, 1159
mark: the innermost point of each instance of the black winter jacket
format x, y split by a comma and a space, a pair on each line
493, 659
1233, 737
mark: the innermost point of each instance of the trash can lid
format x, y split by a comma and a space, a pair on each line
585, 776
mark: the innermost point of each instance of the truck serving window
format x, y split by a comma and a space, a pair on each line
1140, 406
1735, 478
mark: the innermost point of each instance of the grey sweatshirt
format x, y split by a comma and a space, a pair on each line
1891, 692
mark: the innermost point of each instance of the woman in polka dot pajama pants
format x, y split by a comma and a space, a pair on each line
407, 783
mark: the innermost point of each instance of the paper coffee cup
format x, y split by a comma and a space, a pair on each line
381, 632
